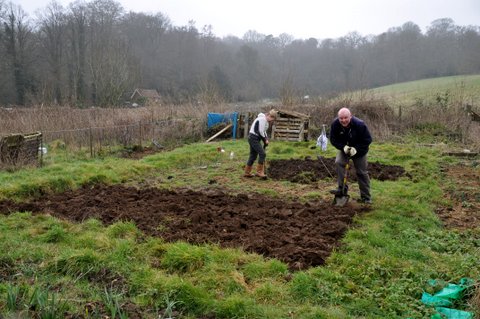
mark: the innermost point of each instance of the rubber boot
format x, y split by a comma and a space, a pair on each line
248, 171
261, 171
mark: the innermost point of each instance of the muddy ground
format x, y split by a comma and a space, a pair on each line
311, 170
462, 190
300, 234
463, 194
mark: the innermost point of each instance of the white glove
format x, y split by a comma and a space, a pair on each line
349, 151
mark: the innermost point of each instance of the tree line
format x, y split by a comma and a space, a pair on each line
96, 53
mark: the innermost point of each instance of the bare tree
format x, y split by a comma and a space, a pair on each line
6, 77
221, 83
17, 37
51, 33
469, 48
285, 39
441, 47
145, 35
109, 61
287, 91
252, 36
77, 53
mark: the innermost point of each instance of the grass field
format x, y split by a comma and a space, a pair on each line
455, 88
52, 268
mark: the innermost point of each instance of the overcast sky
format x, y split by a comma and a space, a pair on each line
302, 19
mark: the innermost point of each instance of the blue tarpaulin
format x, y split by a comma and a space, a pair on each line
216, 118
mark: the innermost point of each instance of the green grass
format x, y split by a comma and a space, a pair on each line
380, 271
461, 88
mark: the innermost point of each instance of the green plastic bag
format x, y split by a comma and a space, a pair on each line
435, 301
445, 297
453, 313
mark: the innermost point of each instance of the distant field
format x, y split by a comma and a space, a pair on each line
462, 88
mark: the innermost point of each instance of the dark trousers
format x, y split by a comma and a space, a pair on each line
256, 149
361, 166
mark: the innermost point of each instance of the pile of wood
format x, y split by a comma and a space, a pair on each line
291, 126
20, 149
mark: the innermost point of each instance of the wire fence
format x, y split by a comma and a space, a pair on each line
98, 139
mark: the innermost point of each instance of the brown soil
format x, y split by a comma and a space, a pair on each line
138, 152
464, 196
311, 170
300, 234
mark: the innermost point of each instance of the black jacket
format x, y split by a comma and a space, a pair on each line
355, 135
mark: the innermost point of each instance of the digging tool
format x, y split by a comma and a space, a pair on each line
265, 163
322, 142
341, 199
319, 157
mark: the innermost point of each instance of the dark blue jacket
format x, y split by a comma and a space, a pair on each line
355, 135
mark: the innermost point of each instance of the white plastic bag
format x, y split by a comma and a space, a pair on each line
322, 140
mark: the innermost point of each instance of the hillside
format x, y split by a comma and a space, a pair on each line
461, 88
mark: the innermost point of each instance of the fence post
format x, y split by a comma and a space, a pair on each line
400, 114
41, 150
91, 142
140, 133
100, 140
152, 125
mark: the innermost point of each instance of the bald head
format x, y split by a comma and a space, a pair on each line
344, 116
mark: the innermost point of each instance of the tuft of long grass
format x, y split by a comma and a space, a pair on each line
182, 257
112, 304
35, 302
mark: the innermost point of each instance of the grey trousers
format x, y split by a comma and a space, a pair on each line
361, 166
256, 149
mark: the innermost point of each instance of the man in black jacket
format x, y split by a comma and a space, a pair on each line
351, 137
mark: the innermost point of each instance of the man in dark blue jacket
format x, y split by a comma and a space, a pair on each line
351, 137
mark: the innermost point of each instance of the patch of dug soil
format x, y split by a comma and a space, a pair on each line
138, 151
302, 235
464, 213
310, 170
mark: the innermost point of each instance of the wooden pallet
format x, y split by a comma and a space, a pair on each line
289, 129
